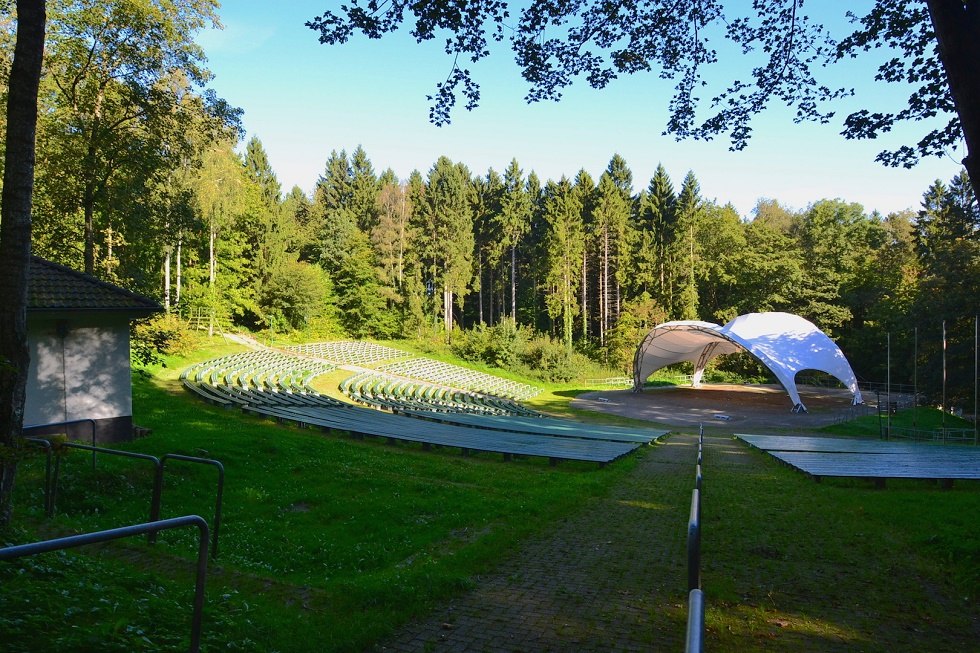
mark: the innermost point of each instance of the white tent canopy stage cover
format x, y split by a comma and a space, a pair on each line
785, 343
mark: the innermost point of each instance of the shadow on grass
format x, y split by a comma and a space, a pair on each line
573, 392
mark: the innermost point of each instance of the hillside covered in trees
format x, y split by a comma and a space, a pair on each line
142, 179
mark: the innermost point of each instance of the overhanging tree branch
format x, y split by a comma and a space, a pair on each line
600, 40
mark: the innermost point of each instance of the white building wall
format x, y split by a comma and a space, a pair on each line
79, 369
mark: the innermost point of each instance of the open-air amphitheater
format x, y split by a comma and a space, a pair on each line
399, 396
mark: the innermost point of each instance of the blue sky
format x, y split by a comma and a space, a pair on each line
303, 100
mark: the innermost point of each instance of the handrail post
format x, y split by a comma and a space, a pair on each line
700, 442
218, 498
46, 444
155, 498
89, 420
200, 578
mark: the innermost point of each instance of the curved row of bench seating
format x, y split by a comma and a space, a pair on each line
349, 352
258, 377
426, 369
400, 394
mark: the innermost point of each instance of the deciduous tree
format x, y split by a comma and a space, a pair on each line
120, 72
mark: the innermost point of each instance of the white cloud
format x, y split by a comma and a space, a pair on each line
235, 39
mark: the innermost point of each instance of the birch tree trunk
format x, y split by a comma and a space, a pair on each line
180, 245
166, 278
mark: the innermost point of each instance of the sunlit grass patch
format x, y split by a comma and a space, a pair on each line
742, 627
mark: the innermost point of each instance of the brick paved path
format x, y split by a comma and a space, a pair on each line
610, 578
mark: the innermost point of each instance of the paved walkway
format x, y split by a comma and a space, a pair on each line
610, 578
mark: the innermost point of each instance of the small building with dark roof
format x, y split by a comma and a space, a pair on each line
78, 333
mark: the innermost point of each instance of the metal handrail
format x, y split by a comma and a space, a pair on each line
155, 498
19, 551
694, 543
51, 481
695, 622
89, 420
695, 602
216, 524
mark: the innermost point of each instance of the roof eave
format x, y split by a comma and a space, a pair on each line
138, 312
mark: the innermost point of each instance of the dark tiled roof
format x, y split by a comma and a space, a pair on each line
54, 287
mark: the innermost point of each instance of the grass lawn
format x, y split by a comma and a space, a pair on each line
327, 543
922, 418
792, 565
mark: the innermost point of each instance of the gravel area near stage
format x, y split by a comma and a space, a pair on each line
730, 407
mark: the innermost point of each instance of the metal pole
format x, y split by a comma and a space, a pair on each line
942, 424
48, 502
915, 379
158, 492
694, 543
881, 431
695, 622
976, 373
888, 384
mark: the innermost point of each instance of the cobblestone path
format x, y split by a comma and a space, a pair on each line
609, 578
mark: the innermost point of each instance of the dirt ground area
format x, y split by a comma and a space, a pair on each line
726, 407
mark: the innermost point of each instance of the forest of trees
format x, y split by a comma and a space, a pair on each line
142, 179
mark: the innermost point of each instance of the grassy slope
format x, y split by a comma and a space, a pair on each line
364, 534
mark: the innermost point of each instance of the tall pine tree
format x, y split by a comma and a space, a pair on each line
564, 244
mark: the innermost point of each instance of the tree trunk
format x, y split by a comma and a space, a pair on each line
403, 219
585, 293
957, 26
662, 264
604, 320
15, 237
513, 283
211, 259
91, 188
211, 277
447, 301
619, 309
479, 266
502, 310
88, 208
180, 269
569, 301
490, 296
166, 278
